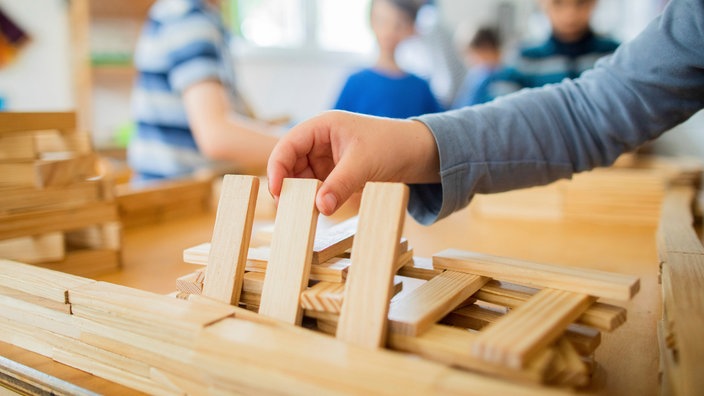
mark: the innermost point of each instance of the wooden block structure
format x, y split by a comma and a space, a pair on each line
56, 208
521, 321
479, 323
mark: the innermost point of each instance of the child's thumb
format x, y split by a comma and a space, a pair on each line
344, 180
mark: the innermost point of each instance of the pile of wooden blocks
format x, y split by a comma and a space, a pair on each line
630, 193
527, 322
56, 210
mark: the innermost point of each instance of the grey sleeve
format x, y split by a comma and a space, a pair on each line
540, 135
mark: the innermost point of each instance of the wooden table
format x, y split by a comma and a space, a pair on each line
152, 258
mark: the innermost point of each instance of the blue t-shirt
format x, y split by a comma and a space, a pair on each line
402, 96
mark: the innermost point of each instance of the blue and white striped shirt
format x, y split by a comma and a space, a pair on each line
183, 42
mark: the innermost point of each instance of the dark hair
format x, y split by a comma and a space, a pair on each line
408, 7
486, 37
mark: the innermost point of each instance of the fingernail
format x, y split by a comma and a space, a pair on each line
330, 203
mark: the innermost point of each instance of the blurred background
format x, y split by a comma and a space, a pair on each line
291, 56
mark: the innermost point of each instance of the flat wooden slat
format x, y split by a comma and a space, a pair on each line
34, 249
363, 320
37, 281
602, 316
291, 250
17, 147
420, 309
524, 332
45, 221
578, 280
334, 241
230, 243
36, 121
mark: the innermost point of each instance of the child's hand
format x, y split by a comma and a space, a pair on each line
345, 150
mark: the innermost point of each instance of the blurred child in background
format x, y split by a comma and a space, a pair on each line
182, 102
572, 48
483, 56
385, 89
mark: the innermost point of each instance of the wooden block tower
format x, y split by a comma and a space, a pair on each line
56, 210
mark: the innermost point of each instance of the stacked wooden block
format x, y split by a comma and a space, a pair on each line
517, 320
55, 209
631, 193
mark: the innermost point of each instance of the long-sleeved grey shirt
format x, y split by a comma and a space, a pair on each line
540, 135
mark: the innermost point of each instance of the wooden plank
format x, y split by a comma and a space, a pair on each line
48, 173
328, 297
18, 199
451, 346
40, 282
426, 305
578, 280
528, 329
363, 319
45, 221
602, 316
36, 121
675, 231
585, 339
34, 249
191, 283
101, 236
230, 243
57, 141
334, 241
17, 147
291, 250
574, 372
87, 262
420, 268
147, 313
682, 282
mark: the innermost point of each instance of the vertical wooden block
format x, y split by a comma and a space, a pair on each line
230, 242
363, 319
289, 263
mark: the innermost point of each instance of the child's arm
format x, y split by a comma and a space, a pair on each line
345, 150
219, 134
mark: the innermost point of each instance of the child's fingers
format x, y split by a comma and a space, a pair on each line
345, 179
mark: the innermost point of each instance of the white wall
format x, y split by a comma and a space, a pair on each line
40, 78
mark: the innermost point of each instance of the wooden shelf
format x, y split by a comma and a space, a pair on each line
120, 9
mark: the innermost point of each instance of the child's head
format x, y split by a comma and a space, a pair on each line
485, 47
569, 18
393, 21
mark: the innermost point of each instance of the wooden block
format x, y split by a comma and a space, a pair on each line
17, 147
363, 320
420, 309
328, 297
48, 173
45, 221
26, 301
584, 339
38, 281
291, 250
599, 315
233, 229
421, 268
334, 241
675, 231
578, 280
191, 283
57, 141
22, 199
147, 313
528, 329
102, 236
574, 372
451, 346
34, 249
35, 121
